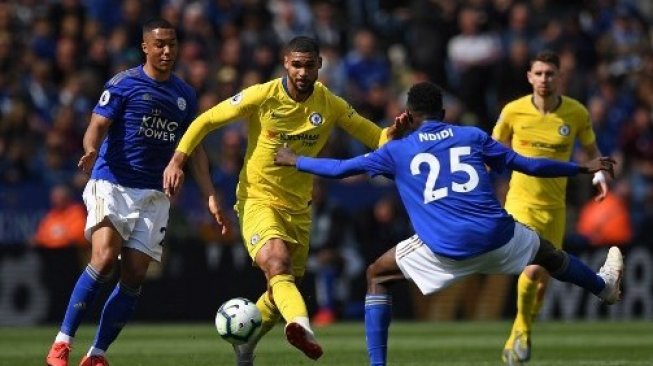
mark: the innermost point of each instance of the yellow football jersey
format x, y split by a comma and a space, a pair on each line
275, 119
550, 135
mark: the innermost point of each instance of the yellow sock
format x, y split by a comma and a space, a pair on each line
526, 299
539, 300
287, 297
269, 313
526, 303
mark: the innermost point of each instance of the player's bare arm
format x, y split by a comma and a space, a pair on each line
200, 168
173, 175
95, 133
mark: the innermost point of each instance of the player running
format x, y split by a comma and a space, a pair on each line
273, 202
541, 124
134, 129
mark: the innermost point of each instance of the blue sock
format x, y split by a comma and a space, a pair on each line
580, 274
378, 311
84, 293
116, 313
326, 287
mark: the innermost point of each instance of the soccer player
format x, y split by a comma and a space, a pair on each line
461, 229
542, 124
138, 121
273, 204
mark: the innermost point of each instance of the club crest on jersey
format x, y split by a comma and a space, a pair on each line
181, 103
564, 130
255, 238
104, 98
147, 96
236, 98
315, 119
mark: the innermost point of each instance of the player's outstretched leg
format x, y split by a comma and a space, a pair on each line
84, 293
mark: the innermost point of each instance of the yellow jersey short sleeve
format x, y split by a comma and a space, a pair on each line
550, 135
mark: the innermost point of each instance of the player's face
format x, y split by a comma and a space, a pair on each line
160, 48
302, 69
544, 78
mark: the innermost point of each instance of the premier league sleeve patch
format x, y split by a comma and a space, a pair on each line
236, 99
104, 98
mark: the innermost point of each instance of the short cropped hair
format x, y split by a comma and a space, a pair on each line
303, 44
548, 57
155, 23
426, 98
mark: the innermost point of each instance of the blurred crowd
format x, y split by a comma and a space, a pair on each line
56, 55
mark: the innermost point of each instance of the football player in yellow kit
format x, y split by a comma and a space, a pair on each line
542, 124
273, 203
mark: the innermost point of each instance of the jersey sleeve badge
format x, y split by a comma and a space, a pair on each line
104, 98
236, 99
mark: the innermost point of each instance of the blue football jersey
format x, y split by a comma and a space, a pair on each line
148, 119
441, 175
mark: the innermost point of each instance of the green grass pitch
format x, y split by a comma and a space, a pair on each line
418, 344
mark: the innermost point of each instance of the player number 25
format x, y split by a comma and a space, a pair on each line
430, 193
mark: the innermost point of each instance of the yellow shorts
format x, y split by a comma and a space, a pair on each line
549, 223
260, 222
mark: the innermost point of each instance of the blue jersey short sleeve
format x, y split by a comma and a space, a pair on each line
148, 117
111, 102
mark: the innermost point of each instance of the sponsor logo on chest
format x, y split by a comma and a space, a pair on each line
158, 127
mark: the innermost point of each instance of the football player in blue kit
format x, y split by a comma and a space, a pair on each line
134, 129
461, 229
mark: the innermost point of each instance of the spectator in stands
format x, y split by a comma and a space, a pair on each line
63, 224
472, 54
606, 223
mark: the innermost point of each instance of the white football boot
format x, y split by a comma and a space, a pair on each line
611, 272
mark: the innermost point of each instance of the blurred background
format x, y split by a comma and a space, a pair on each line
56, 55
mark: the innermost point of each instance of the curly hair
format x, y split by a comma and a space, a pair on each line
426, 98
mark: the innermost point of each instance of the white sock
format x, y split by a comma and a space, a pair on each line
62, 337
303, 321
95, 352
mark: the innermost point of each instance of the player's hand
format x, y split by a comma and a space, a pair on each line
598, 166
173, 178
87, 161
399, 127
603, 163
285, 156
216, 212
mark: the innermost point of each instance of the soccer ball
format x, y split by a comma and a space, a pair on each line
238, 320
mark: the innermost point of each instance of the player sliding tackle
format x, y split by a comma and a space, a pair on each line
461, 229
